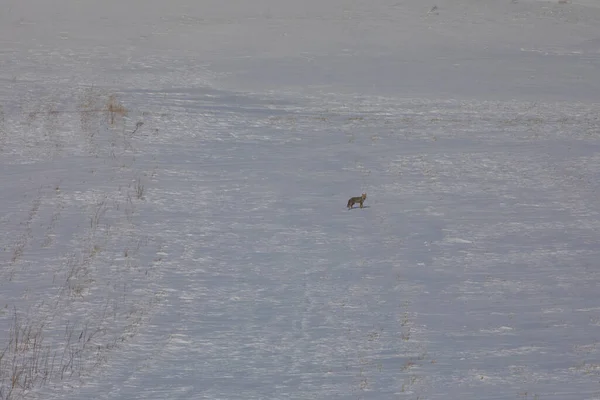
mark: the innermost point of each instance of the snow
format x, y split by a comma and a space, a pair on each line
194, 243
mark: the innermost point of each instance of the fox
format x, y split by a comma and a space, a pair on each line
359, 199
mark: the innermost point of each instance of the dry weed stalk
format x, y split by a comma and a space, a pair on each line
115, 108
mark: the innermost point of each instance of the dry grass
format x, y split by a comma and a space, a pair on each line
115, 108
27, 362
139, 189
68, 335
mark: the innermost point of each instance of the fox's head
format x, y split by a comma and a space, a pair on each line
364, 196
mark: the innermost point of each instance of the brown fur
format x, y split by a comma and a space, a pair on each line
359, 199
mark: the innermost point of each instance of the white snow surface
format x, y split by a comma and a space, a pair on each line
194, 242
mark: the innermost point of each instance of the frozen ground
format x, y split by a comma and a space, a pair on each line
175, 177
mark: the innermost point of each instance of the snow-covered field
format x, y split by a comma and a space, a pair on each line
174, 185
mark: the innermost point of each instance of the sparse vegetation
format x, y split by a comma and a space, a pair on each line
138, 125
30, 360
139, 189
115, 108
36, 350
99, 210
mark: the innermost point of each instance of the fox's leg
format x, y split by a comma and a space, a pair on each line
361, 203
